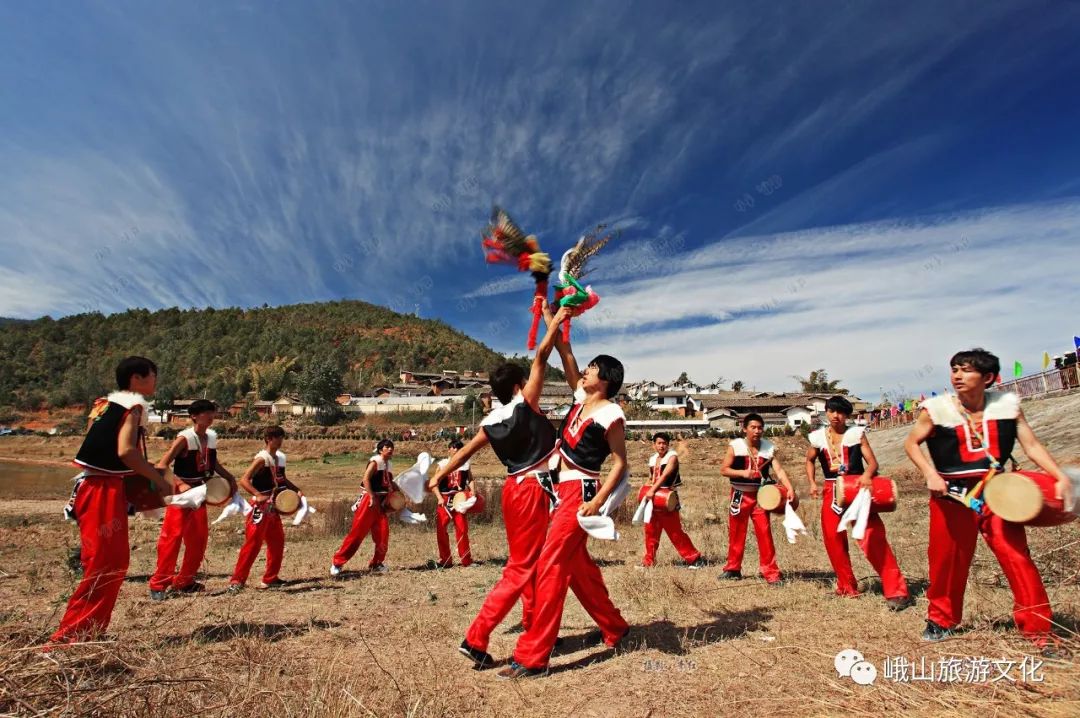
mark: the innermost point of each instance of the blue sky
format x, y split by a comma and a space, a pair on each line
862, 187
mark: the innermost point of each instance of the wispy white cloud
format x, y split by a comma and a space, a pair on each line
872, 303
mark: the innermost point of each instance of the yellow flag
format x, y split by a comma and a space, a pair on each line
1046, 360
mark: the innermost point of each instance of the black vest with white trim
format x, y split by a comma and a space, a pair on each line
851, 459
197, 461
583, 442
99, 453
264, 479
742, 461
657, 466
956, 453
519, 435
380, 480
456, 480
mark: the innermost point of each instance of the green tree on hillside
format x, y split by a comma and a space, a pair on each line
737, 385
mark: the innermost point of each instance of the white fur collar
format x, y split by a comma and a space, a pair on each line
129, 400
999, 405
193, 438
269, 460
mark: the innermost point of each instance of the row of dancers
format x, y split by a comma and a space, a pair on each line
552, 479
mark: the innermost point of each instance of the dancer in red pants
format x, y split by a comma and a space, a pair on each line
113, 452
450, 485
664, 474
968, 435
749, 463
844, 451
194, 458
524, 441
593, 430
263, 478
369, 512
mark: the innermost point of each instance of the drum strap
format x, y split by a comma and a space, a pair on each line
837, 490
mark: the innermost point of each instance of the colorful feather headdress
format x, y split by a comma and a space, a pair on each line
504, 242
568, 289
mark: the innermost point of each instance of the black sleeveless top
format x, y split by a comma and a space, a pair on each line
264, 479
583, 442
851, 461
519, 436
197, 461
380, 480
658, 465
456, 480
742, 461
956, 451
99, 452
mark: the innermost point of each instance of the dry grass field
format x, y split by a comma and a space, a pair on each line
376, 645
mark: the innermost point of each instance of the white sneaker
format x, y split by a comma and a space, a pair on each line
335, 570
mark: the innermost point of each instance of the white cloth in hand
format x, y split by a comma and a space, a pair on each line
190, 499
236, 505
303, 511
616, 497
465, 505
793, 525
599, 527
856, 516
414, 479
645, 507
408, 517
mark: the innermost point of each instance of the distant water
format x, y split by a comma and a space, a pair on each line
33, 481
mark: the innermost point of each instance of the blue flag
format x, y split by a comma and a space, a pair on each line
1076, 341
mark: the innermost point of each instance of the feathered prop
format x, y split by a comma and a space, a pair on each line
505, 243
568, 289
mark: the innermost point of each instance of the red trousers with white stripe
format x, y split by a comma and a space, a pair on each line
187, 526
874, 545
738, 521
565, 558
368, 518
101, 507
669, 522
443, 517
953, 533
268, 530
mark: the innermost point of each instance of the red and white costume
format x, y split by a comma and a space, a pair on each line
263, 523
962, 459
744, 508
100, 506
666, 521
564, 557
844, 457
369, 517
194, 465
445, 515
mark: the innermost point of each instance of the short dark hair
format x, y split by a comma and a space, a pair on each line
503, 380
129, 367
383, 443
273, 432
609, 369
839, 403
752, 417
457, 444
662, 435
201, 406
981, 360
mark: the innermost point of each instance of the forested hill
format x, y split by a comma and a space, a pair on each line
225, 352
